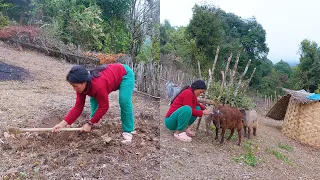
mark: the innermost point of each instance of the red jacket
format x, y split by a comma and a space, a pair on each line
108, 81
186, 97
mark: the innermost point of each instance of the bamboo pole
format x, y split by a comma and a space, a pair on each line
199, 68
225, 84
215, 61
265, 103
247, 86
221, 87
234, 69
227, 68
241, 77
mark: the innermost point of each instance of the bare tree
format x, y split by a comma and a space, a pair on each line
143, 14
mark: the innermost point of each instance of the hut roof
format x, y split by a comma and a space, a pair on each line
299, 96
278, 111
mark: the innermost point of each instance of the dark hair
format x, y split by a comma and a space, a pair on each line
78, 74
198, 84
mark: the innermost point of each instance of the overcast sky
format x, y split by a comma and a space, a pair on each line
287, 22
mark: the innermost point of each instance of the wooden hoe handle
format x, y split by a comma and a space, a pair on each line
47, 129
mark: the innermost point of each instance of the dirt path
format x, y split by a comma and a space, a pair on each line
42, 100
202, 159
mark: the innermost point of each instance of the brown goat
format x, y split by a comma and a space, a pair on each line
227, 117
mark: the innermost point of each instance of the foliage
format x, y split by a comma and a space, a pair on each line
306, 74
145, 53
86, 27
206, 29
280, 156
271, 83
104, 25
249, 158
241, 101
117, 37
3, 21
17, 10
283, 68
286, 147
209, 28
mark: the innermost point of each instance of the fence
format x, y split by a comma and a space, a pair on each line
147, 74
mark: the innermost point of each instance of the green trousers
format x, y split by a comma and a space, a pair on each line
125, 101
180, 118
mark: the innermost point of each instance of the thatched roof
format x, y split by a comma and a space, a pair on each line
278, 111
299, 96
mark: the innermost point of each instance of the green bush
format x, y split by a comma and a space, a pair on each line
248, 158
241, 101
3, 21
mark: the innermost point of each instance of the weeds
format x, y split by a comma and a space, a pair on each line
249, 158
286, 147
280, 156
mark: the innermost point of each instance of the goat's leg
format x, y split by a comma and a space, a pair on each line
255, 131
249, 132
207, 120
231, 134
222, 135
245, 131
217, 131
239, 136
198, 124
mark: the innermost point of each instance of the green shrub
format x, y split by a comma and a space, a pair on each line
3, 21
248, 158
286, 147
241, 101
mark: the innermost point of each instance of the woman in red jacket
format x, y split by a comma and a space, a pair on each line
184, 110
97, 84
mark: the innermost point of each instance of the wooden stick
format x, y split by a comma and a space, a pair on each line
247, 85
41, 129
199, 68
215, 62
221, 87
241, 77
234, 71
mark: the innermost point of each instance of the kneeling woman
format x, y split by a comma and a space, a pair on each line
97, 84
184, 110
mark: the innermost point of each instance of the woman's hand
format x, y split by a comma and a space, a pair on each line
86, 127
57, 127
206, 112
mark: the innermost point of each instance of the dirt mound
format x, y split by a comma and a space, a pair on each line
12, 73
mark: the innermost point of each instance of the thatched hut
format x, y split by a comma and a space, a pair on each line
301, 116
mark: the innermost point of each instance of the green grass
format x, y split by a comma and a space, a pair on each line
280, 156
249, 158
286, 147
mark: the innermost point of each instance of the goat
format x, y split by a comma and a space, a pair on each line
250, 121
227, 117
172, 90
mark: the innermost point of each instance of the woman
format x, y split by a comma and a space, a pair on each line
184, 110
97, 84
